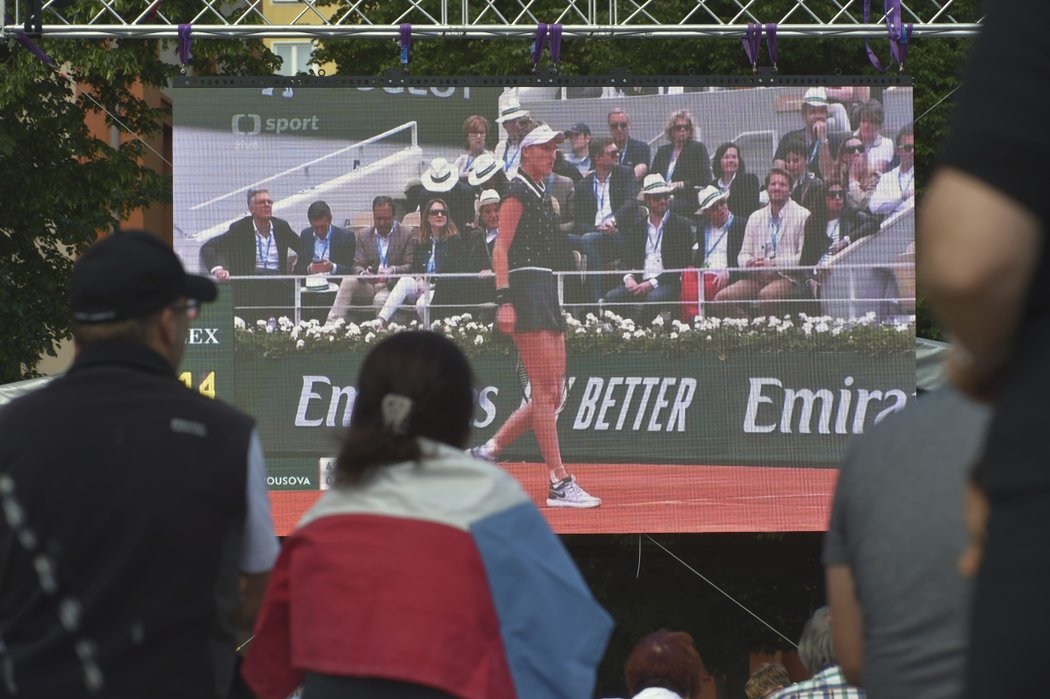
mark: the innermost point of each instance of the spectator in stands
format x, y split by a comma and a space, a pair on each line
476, 133
656, 249
851, 97
485, 173
732, 178
579, 135
324, 248
664, 665
384, 251
896, 188
897, 529
852, 169
683, 162
817, 652
771, 250
633, 153
441, 180
830, 229
563, 198
439, 249
482, 242
410, 577
877, 148
806, 188
508, 151
562, 167
602, 197
813, 134
721, 235
765, 680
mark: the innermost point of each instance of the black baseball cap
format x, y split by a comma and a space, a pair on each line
578, 127
128, 275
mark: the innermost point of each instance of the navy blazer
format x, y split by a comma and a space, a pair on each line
853, 224
743, 195
235, 249
693, 167
635, 152
340, 252
623, 189
674, 246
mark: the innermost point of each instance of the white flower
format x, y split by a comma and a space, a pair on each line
591, 318
658, 321
479, 340
261, 323
370, 337
295, 333
822, 326
837, 330
581, 331
673, 335
639, 333
238, 323
300, 344
627, 336
774, 321
353, 330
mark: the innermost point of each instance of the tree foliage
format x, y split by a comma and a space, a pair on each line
60, 185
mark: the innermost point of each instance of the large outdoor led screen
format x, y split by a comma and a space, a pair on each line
734, 262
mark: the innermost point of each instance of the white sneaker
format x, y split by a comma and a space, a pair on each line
485, 452
566, 493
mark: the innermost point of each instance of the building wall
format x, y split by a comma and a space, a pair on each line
295, 51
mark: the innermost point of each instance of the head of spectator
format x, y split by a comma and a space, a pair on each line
320, 217
905, 142
680, 128
815, 107
766, 679
795, 159
579, 135
869, 118
668, 660
778, 187
714, 206
512, 117
475, 133
411, 385
619, 126
440, 176
605, 155
834, 199
435, 221
488, 209
487, 172
260, 206
816, 648
539, 144
656, 194
728, 163
851, 162
383, 215
131, 287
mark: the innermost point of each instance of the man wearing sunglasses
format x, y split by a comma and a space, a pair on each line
632, 152
136, 538
897, 187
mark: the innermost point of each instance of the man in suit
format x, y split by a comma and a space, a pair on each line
720, 237
633, 153
384, 252
656, 245
602, 198
256, 245
819, 146
563, 197
324, 248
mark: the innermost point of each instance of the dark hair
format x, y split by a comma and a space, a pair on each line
870, 111
665, 659
794, 144
317, 211
429, 370
906, 130
598, 145
382, 199
716, 164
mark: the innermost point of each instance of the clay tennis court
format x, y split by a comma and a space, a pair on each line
646, 498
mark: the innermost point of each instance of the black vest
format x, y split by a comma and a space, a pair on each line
134, 488
537, 240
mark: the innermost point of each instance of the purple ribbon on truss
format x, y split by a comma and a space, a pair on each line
752, 41
900, 34
538, 44
405, 41
33, 48
771, 43
185, 43
555, 30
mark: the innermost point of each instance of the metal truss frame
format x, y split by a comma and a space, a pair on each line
483, 19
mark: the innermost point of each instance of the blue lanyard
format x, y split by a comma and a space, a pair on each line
725, 230
623, 151
326, 245
431, 264
655, 241
671, 165
900, 182
774, 224
598, 188
383, 253
510, 157
813, 153
264, 257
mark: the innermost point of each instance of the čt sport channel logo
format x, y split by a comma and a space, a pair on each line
255, 124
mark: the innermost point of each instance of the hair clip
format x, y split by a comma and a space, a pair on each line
396, 410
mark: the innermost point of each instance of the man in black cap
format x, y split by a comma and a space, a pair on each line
579, 157
136, 535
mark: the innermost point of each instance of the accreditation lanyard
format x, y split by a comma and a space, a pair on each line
813, 153
655, 237
383, 247
510, 157
905, 184
263, 255
432, 262
326, 245
833, 234
601, 191
623, 151
671, 166
714, 245
774, 236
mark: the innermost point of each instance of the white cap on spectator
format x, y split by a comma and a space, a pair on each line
482, 169
512, 110
489, 196
816, 97
440, 176
540, 135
